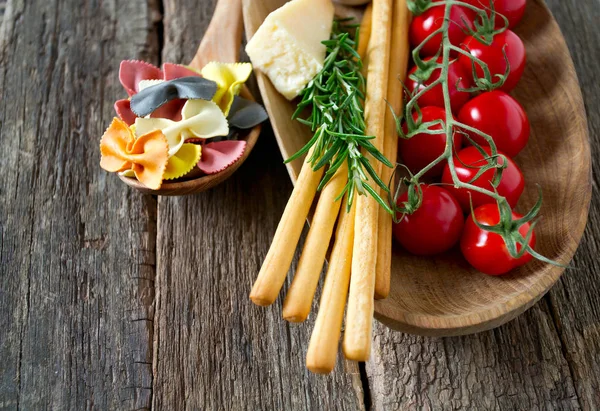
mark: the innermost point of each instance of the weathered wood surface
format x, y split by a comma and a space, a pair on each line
77, 251
80, 324
575, 301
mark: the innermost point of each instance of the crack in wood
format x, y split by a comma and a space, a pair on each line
364, 378
160, 29
563, 344
157, 8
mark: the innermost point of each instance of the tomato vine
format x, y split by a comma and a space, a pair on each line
517, 244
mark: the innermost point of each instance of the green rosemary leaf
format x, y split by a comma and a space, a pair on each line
340, 159
305, 122
378, 198
376, 153
333, 169
373, 174
344, 191
304, 149
351, 50
328, 155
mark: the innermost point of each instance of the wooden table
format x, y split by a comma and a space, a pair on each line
110, 299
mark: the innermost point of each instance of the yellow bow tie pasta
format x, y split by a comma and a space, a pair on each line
183, 161
229, 78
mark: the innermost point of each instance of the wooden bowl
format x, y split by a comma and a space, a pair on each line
444, 296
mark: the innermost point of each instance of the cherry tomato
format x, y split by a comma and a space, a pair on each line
513, 10
487, 251
421, 149
434, 227
493, 56
431, 20
511, 184
500, 116
435, 96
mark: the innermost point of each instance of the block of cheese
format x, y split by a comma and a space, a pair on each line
287, 46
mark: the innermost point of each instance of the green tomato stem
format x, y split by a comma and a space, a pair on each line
506, 227
450, 123
415, 98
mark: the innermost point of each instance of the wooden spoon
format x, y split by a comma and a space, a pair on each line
443, 295
221, 42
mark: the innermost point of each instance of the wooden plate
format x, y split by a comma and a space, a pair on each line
444, 296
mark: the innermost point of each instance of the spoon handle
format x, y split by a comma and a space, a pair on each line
223, 38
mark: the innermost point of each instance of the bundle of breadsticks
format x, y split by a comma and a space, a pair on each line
360, 260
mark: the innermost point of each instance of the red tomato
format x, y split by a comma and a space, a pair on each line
500, 116
493, 56
487, 251
513, 10
421, 149
435, 97
511, 184
435, 227
431, 20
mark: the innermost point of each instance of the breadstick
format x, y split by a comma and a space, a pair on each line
359, 317
279, 258
397, 74
365, 32
302, 291
322, 350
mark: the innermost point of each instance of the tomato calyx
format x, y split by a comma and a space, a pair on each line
485, 24
414, 194
425, 67
414, 123
487, 82
418, 7
508, 228
495, 161
484, 32
517, 244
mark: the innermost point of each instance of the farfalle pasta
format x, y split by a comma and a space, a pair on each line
177, 122
229, 79
146, 155
183, 161
220, 155
200, 119
132, 72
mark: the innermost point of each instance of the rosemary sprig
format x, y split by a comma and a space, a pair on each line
335, 98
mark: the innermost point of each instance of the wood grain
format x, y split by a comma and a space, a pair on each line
213, 348
74, 302
77, 248
215, 46
519, 366
574, 301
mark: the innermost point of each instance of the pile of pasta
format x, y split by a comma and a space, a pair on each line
178, 123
